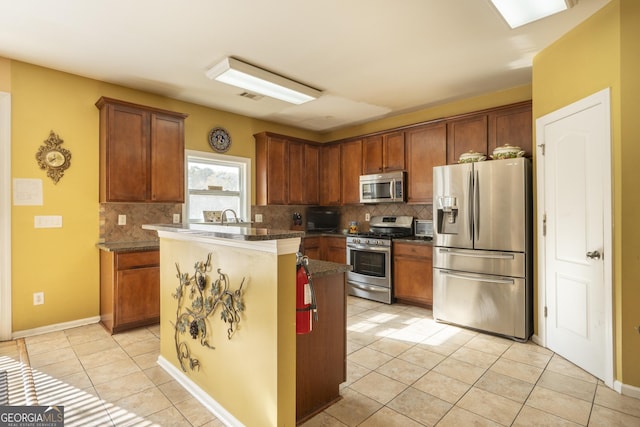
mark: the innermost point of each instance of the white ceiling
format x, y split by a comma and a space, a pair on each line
372, 58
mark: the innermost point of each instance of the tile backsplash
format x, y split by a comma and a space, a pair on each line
281, 217
137, 214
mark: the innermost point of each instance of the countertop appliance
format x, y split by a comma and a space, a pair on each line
369, 255
423, 228
382, 187
482, 246
322, 219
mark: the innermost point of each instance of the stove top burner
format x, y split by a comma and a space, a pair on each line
384, 234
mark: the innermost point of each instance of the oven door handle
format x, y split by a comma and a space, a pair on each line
368, 288
369, 248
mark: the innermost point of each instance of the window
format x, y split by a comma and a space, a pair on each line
217, 182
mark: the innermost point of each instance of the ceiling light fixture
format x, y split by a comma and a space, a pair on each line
249, 77
521, 12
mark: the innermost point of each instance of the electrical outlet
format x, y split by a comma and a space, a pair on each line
38, 298
122, 220
258, 217
176, 218
367, 216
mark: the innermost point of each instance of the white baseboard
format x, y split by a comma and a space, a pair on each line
55, 328
207, 401
536, 339
626, 390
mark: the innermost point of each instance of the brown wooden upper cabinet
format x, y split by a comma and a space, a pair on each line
466, 134
426, 147
485, 131
351, 167
330, 175
383, 153
286, 170
141, 153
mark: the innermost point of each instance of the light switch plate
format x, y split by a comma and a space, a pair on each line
258, 217
176, 218
367, 217
48, 221
122, 220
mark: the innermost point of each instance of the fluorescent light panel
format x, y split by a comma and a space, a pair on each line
246, 76
521, 12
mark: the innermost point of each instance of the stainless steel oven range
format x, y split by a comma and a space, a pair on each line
369, 254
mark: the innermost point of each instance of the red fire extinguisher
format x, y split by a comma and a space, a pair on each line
306, 309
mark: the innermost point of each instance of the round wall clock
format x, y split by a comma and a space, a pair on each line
219, 139
52, 157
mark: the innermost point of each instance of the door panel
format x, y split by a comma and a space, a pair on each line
576, 175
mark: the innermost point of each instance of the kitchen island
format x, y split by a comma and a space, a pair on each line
247, 376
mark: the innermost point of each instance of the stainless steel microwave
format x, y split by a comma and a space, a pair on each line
382, 187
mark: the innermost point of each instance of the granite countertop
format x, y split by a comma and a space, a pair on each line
319, 268
415, 240
226, 231
148, 245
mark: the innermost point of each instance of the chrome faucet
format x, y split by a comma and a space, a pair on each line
224, 215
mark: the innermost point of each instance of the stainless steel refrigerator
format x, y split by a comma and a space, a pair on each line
482, 258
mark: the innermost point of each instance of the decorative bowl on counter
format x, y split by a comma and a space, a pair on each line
212, 216
507, 152
471, 156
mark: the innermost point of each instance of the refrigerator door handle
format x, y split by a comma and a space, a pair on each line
477, 278
470, 205
471, 255
476, 206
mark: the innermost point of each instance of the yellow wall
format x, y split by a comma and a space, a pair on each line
63, 263
252, 375
588, 59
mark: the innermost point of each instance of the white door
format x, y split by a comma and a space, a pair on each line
574, 204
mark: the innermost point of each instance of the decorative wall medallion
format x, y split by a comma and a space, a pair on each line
52, 157
219, 139
206, 296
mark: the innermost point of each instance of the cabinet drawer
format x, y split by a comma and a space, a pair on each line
142, 259
423, 251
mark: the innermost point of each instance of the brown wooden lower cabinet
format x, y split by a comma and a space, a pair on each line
321, 357
129, 289
326, 248
413, 273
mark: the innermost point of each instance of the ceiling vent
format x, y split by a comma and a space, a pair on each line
253, 96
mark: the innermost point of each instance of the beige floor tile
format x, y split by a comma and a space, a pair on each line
531, 346
517, 370
94, 360
106, 373
139, 404
54, 356
601, 416
459, 370
78, 380
505, 386
568, 385
441, 386
353, 408
613, 400
124, 386
48, 337
86, 333
387, 417
46, 343
134, 335
421, 357
362, 339
390, 346
524, 355
174, 392
157, 375
195, 412
96, 346
61, 369
369, 358
402, 371
323, 420
475, 357
489, 344
354, 372
458, 417
149, 359
214, 423
143, 346
559, 404
168, 417
564, 367
378, 387
420, 406
353, 347
489, 405
408, 335
532, 417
